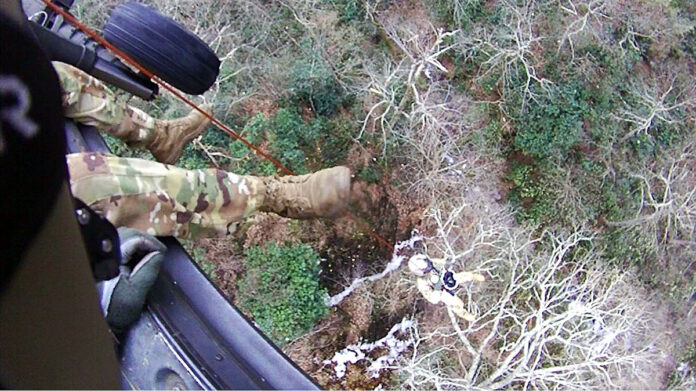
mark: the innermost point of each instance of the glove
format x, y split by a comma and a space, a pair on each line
123, 297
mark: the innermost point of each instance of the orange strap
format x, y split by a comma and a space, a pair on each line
181, 97
166, 86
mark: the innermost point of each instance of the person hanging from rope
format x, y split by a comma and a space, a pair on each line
438, 283
160, 199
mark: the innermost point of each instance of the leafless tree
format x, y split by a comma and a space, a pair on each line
582, 15
411, 100
548, 318
667, 211
655, 104
511, 49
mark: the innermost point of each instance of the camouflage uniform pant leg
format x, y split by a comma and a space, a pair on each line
161, 199
88, 101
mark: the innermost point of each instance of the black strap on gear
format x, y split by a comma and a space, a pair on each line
101, 242
448, 280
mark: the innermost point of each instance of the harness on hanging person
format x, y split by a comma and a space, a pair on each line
445, 278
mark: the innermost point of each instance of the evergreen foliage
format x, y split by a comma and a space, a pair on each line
281, 290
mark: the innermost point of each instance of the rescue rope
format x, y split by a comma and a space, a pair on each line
161, 82
70, 18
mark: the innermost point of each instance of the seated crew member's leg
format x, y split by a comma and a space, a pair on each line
165, 200
88, 101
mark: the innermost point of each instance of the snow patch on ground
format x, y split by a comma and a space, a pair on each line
394, 264
360, 351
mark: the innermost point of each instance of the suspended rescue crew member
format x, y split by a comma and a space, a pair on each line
164, 200
438, 284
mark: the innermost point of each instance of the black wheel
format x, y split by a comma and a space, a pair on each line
163, 46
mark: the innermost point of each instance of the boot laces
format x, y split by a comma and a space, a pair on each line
285, 198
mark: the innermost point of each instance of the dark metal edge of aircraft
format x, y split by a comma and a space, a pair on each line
210, 334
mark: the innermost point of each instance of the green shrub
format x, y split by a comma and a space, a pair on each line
689, 43
660, 135
458, 13
280, 136
117, 147
256, 128
286, 137
627, 247
532, 197
314, 84
249, 163
348, 10
281, 291
332, 140
297, 144
199, 256
371, 173
552, 124
245, 161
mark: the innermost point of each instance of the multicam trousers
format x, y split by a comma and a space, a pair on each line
161, 199
155, 198
88, 101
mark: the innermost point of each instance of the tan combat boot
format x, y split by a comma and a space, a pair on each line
171, 136
322, 194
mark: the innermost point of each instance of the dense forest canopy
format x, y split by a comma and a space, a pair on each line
549, 145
